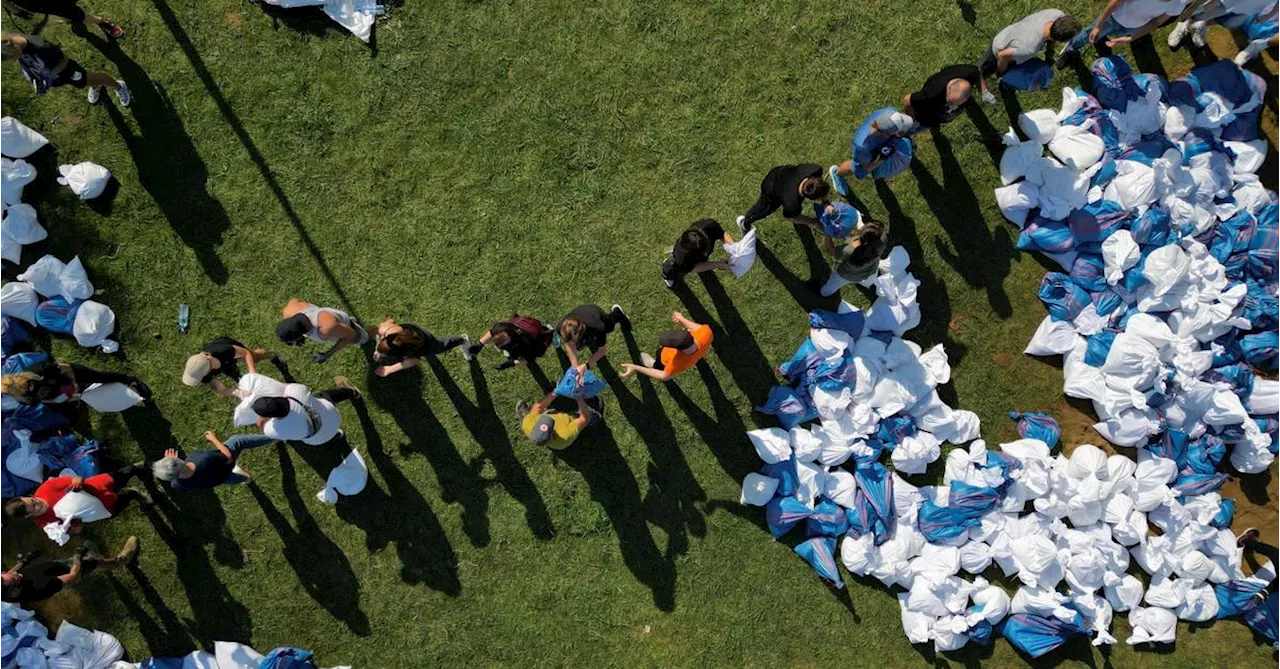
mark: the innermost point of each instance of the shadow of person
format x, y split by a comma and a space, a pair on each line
991, 138
1146, 58
482, 421
983, 258
723, 432
800, 289
401, 396
323, 570
169, 167
935, 304
1012, 108
674, 492
596, 457
400, 516
165, 634
735, 347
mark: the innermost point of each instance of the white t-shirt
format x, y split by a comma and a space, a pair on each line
310, 420
1134, 14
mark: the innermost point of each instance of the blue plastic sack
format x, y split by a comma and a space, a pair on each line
820, 553
1106, 302
1095, 221
1145, 151
1062, 297
1029, 75
33, 417
1152, 228
1113, 83
288, 658
894, 429
981, 633
1260, 348
838, 223
1191, 484
1233, 596
162, 663
1171, 445
802, 363
1226, 511
828, 520
1089, 272
783, 513
873, 509
1262, 25
1037, 635
1238, 375
966, 505
70, 451
13, 333
867, 147
1036, 425
21, 362
57, 315
785, 472
789, 406
1047, 235
1262, 617
569, 386
850, 323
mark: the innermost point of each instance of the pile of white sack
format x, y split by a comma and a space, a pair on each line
54, 295
1168, 245
356, 16
20, 225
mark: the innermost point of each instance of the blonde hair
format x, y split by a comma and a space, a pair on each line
21, 386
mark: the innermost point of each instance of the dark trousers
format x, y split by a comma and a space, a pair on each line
86, 377
437, 346
1267, 551
767, 204
988, 64
336, 395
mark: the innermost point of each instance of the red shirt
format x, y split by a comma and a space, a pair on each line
53, 490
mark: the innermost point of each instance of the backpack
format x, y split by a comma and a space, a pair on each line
539, 336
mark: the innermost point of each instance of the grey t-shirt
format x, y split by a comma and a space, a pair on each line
1026, 37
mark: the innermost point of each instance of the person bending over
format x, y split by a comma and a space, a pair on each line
1122, 21
300, 415
692, 251
302, 321
588, 326
52, 382
219, 358
944, 94
678, 350
857, 259
28, 581
208, 468
402, 346
108, 489
786, 187
555, 430
46, 66
521, 339
1024, 40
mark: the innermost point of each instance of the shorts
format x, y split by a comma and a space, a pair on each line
73, 75
67, 9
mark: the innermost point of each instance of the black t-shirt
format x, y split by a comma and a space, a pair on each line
686, 261
929, 104
54, 380
212, 469
223, 350
517, 346
39, 582
598, 323
783, 184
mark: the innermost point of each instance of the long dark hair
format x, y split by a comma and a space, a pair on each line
871, 242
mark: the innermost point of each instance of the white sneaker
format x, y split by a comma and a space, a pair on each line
646, 360
669, 283
241, 472
1250, 52
122, 94
1197, 34
742, 228
1178, 33
95, 95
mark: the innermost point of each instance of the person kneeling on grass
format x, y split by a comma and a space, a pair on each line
211, 467
46, 66
1021, 42
50, 382
28, 582
218, 358
678, 350
522, 339
555, 430
880, 148
402, 346
787, 187
692, 252
857, 259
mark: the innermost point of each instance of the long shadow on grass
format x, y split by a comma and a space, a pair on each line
233, 121
487, 429
401, 516
401, 396
169, 166
735, 346
596, 456
674, 493
323, 570
799, 288
164, 633
982, 258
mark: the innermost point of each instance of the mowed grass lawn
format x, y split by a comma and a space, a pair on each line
498, 156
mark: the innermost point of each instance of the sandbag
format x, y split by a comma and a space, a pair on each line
1017, 200
110, 397
1039, 125
74, 281
14, 176
88, 180
1076, 147
20, 226
758, 489
18, 299
17, 140
94, 323
1152, 625
772, 444
348, 478
45, 275
570, 386
1119, 253
1018, 157
742, 253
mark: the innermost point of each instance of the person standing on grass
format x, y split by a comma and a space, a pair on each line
857, 259
1229, 13
545, 426
402, 346
108, 489
875, 141
301, 321
944, 94
1122, 21
219, 357
678, 350
211, 467
692, 251
521, 339
787, 187
588, 327
28, 581
69, 10
1024, 40
46, 67
300, 415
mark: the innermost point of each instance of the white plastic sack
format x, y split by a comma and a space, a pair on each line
917, 626
94, 322
18, 299
757, 489
75, 281
810, 480
91, 648
1125, 594
1152, 625
1076, 147
1119, 253
347, 479
21, 226
1039, 125
773, 444
231, 655
86, 179
45, 275
840, 486
110, 397
1052, 337
742, 253
1134, 185
14, 176
1165, 267
1017, 200
1018, 156
1087, 460
24, 461
975, 557
17, 140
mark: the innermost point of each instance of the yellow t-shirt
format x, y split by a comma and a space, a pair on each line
563, 432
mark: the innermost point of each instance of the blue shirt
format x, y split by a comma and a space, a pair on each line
212, 469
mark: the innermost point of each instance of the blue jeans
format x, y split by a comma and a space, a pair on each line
243, 442
1110, 28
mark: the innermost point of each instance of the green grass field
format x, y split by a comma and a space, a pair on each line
493, 156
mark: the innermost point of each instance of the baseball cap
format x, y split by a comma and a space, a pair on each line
197, 368
677, 339
542, 430
895, 123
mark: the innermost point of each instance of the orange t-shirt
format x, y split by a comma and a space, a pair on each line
676, 361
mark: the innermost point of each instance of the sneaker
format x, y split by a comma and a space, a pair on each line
344, 382
112, 30
241, 471
467, 354
1250, 52
122, 94
647, 360
129, 552
1251, 533
95, 95
522, 409
1197, 34
620, 316
669, 283
742, 225
838, 183
1178, 34
989, 98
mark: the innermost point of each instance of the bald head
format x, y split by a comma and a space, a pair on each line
958, 91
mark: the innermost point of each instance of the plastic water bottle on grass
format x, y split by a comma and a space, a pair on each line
184, 318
